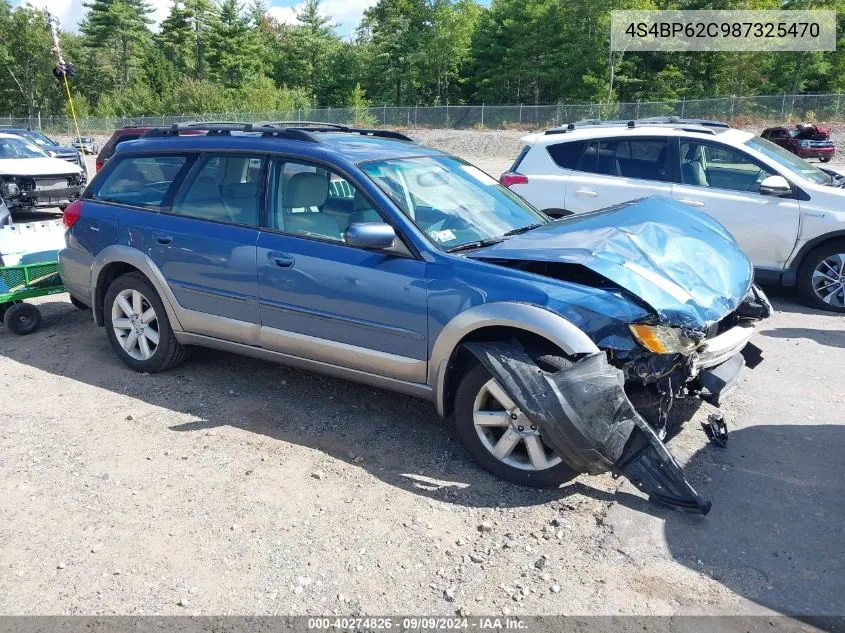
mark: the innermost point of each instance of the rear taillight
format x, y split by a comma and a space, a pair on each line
511, 178
99, 165
72, 213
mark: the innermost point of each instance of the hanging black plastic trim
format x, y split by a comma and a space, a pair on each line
587, 419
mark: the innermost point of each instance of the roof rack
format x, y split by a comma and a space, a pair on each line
292, 130
704, 126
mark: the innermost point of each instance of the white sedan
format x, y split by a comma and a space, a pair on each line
29, 178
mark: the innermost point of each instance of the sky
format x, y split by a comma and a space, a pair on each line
346, 14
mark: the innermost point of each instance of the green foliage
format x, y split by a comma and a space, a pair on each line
225, 56
360, 106
120, 30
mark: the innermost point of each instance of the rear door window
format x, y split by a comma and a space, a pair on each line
640, 158
142, 181
224, 189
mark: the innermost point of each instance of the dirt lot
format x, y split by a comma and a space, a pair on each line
230, 485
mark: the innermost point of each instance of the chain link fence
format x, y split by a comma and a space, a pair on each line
737, 110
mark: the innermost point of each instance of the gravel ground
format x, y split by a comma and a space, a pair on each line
231, 486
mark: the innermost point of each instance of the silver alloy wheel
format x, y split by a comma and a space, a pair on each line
135, 324
829, 280
507, 433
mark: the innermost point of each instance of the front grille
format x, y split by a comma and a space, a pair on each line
26, 184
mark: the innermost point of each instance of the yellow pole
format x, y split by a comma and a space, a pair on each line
72, 109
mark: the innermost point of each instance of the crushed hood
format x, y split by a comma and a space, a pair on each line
682, 263
46, 166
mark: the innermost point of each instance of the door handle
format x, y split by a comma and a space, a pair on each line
282, 260
586, 192
693, 203
162, 239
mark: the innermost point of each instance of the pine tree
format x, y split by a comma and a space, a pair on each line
233, 48
315, 41
256, 12
120, 27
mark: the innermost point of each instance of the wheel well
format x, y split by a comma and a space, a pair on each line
790, 275
108, 274
462, 360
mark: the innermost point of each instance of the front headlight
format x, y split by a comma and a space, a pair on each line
662, 339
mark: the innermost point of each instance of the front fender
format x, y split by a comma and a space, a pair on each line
522, 316
118, 253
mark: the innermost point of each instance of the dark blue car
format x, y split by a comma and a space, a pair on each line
559, 346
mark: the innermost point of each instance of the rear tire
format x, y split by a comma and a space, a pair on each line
22, 318
824, 159
137, 326
518, 466
821, 277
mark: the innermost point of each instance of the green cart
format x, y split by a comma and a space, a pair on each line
26, 281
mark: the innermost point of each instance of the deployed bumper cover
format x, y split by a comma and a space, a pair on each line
587, 419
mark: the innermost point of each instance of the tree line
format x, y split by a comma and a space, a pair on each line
223, 55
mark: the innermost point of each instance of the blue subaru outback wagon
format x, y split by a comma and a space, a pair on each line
558, 346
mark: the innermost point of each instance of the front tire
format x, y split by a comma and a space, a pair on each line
824, 159
821, 277
499, 437
137, 326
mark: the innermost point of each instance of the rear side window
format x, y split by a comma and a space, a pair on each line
519, 158
643, 159
567, 155
224, 189
142, 181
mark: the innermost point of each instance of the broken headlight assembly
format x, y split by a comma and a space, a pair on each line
10, 189
662, 339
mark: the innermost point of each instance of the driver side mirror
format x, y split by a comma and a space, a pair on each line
775, 186
373, 235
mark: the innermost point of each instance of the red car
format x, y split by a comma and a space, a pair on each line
123, 134
127, 134
806, 140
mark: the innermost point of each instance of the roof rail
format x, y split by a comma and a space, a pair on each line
703, 126
681, 121
293, 130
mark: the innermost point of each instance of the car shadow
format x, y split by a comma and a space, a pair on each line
828, 338
786, 299
775, 533
397, 438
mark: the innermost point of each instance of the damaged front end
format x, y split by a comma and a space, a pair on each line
674, 317
587, 419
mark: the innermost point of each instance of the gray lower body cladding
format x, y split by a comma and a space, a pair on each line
587, 419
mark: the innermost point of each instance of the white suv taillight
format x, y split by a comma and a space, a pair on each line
510, 178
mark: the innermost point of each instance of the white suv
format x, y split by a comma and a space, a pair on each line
788, 215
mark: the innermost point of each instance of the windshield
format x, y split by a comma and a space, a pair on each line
19, 148
454, 203
788, 160
40, 139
